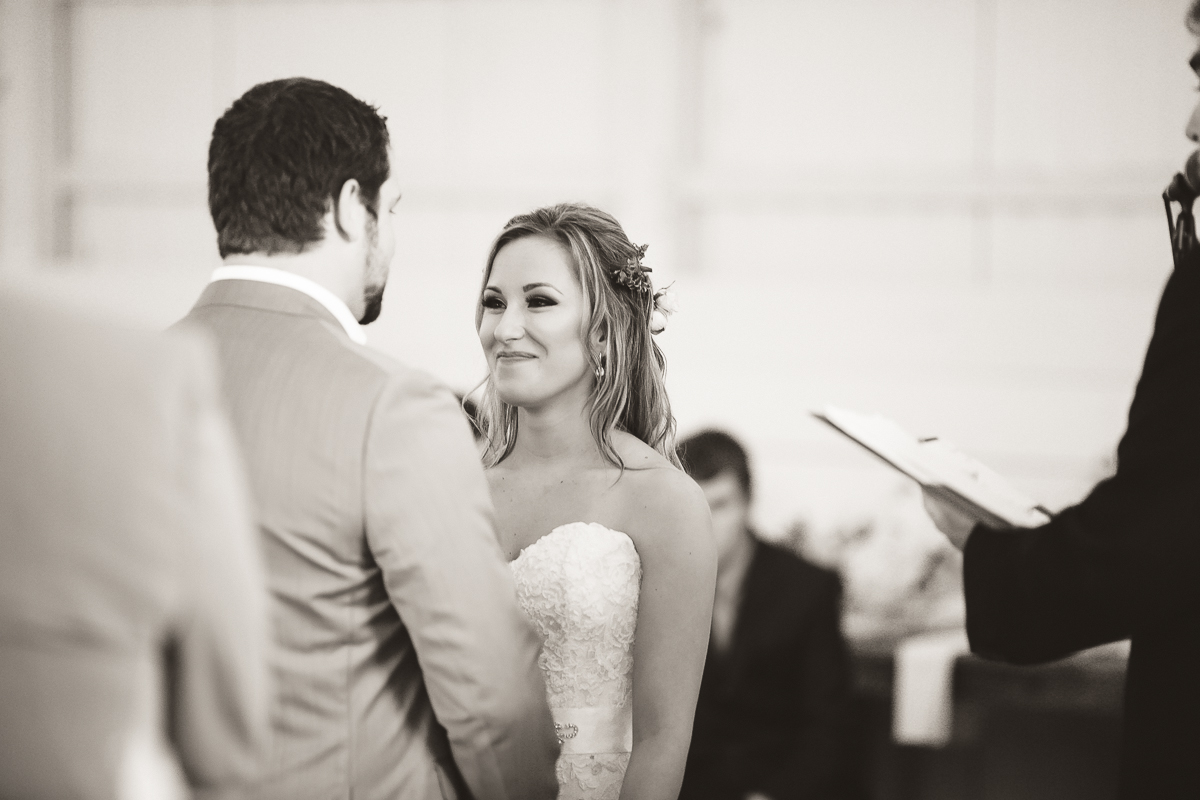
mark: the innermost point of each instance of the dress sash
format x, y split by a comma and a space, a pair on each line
596, 729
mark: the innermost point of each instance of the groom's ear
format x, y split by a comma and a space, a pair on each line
349, 213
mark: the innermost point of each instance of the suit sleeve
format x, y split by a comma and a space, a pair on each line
1092, 572
218, 676
817, 769
1086, 577
430, 529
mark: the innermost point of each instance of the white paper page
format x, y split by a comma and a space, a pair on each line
935, 462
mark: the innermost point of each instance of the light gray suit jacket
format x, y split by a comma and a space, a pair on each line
404, 666
130, 582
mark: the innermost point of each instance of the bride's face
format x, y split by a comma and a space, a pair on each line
531, 328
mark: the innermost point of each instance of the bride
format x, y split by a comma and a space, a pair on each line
607, 537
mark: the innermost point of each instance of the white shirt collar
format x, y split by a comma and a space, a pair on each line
279, 277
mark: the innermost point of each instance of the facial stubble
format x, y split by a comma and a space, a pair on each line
372, 294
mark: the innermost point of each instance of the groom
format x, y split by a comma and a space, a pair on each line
403, 664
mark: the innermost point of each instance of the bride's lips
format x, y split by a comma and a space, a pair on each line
514, 355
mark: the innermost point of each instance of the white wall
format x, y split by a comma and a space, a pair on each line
945, 211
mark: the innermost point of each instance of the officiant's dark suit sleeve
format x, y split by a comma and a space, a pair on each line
1125, 562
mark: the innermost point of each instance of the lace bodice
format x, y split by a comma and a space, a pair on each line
579, 585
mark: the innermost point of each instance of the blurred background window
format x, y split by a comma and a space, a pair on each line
943, 210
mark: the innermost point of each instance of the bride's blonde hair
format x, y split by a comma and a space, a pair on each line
629, 393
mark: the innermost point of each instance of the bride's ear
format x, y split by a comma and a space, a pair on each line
599, 338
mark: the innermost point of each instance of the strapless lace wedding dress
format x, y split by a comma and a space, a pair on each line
579, 584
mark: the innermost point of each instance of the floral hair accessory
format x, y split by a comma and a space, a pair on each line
634, 275
664, 306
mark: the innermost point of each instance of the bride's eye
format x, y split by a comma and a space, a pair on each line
492, 301
541, 301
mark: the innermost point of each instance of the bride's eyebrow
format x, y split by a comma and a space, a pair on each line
531, 286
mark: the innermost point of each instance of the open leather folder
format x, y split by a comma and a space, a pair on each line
940, 468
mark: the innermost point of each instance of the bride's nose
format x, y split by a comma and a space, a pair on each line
511, 325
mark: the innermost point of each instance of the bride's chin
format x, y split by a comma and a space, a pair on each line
533, 395
514, 396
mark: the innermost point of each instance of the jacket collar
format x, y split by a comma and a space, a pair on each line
250, 276
279, 298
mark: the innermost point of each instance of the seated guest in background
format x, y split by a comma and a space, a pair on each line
772, 717
133, 610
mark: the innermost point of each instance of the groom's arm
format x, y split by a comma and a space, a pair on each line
430, 528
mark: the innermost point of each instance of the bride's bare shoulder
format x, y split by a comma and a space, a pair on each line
656, 496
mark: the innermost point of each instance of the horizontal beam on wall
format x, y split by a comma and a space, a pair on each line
1089, 192
1118, 193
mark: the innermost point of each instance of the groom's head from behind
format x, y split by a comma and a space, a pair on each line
299, 179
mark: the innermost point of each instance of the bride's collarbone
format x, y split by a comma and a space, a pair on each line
532, 499
526, 513
522, 525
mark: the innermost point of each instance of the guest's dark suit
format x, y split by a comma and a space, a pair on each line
773, 710
1123, 563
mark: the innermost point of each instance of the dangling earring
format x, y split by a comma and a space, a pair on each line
600, 368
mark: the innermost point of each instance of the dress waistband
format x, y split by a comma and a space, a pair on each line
596, 729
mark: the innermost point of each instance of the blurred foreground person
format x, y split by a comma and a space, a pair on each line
609, 540
774, 707
404, 666
132, 606
1125, 562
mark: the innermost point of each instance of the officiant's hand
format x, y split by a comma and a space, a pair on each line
949, 520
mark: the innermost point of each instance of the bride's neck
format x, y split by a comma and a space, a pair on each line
555, 433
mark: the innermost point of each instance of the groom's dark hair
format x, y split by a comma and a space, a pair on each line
279, 157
